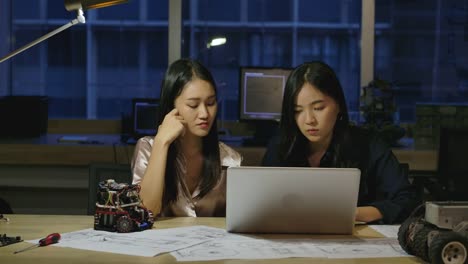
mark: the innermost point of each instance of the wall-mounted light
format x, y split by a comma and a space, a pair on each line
70, 5
216, 41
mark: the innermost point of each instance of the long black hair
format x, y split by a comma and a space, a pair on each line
176, 78
294, 147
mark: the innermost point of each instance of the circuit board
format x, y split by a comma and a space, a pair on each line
5, 240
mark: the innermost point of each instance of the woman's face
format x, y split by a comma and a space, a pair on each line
315, 114
197, 105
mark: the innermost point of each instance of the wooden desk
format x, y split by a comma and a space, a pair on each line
418, 160
37, 226
47, 151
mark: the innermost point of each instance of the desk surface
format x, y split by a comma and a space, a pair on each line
36, 226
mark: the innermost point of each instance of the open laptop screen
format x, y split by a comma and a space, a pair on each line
291, 200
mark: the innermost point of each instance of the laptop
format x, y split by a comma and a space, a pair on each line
291, 200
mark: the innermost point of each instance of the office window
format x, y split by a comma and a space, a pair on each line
265, 33
208, 10
92, 70
127, 12
157, 10
423, 51
270, 10
157, 50
57, 56
55, 11
32, 12
272, 48
125, 42
331, 11
22, 37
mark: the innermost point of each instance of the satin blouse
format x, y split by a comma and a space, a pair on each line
212, 204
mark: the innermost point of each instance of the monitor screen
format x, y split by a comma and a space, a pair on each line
453, 146
145, 116
261, 92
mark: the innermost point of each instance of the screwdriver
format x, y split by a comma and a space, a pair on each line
50, 239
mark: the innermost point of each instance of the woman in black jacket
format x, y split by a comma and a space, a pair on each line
315, 132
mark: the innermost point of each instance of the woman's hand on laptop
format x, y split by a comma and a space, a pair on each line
368, 214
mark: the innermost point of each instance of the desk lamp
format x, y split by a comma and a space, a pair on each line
70, 5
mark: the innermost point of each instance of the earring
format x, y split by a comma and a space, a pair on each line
340, 117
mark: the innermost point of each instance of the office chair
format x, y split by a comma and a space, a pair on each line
404, 168
453, 166
5, 207
102, 171
414, 181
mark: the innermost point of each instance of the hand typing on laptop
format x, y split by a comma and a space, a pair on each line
367, 214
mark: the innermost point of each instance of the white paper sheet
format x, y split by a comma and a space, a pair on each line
198, 243
363, 248
386, 230
271, 249
247, 249
146, 243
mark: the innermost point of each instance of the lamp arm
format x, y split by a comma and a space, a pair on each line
79, 19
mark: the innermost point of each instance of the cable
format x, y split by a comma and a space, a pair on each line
115, 152
127, 154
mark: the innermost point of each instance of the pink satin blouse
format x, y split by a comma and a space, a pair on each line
212, 204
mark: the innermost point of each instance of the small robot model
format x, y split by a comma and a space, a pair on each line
437, 233
119, 208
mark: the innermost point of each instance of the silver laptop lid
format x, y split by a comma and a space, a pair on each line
291, 200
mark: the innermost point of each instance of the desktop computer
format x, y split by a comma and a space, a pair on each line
144, 119
261, 96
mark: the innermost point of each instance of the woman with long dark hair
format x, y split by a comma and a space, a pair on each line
315, 132
180, 168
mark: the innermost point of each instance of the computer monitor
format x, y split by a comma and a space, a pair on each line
261, 92
452, 149
453, 168
145, 114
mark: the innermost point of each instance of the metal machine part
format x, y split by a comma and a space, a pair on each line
119, 208
437, 233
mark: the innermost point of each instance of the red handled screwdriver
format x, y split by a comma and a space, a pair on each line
50, 239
